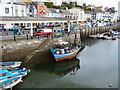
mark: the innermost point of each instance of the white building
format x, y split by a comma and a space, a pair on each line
88, 16
79, 13
8, 8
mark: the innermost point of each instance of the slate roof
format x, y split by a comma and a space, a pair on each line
66, 12
17, 3
52, 10
48, 10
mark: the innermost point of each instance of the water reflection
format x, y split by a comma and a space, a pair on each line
90, 41
67, 66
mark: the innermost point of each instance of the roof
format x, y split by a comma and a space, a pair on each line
111, 10
48, 11
65, 12
52, 10
17, 3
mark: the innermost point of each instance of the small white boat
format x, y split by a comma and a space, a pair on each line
7, 65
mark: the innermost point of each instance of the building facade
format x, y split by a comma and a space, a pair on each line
41, 10
31, 9
8, 8
77, 13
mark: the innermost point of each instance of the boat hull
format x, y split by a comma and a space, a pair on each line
66, 57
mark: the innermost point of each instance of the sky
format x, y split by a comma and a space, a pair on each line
109, 3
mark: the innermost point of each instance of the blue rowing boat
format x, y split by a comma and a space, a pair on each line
6, 65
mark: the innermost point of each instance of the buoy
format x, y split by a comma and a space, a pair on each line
58, 43
67, 51
57, 52
76, 47
62, 52
110, 85
70, 51
28, 70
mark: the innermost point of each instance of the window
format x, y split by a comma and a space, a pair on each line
16, 12
6, 10
22, 11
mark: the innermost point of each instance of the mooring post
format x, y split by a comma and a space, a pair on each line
14, 38
27, 36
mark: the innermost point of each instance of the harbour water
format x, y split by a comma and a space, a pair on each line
96, 66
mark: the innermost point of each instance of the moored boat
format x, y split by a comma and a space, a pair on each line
8, 74
10, 83
6, 65
64, 50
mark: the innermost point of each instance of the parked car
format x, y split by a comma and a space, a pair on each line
1, 28
43, 32
51, 25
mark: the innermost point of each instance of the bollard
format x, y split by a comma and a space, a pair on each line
31, 37
7, 33
28, 31
27, 36
23, 32
14, 38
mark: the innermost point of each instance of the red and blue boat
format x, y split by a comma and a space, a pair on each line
64, 50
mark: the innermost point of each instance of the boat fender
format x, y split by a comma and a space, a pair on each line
67, 51
3, 64
24, 69
28, 70
70, 51
76, 47
21, 81
57, 52
62, 52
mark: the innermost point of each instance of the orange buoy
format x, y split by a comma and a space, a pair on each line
76, 47
58, 43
